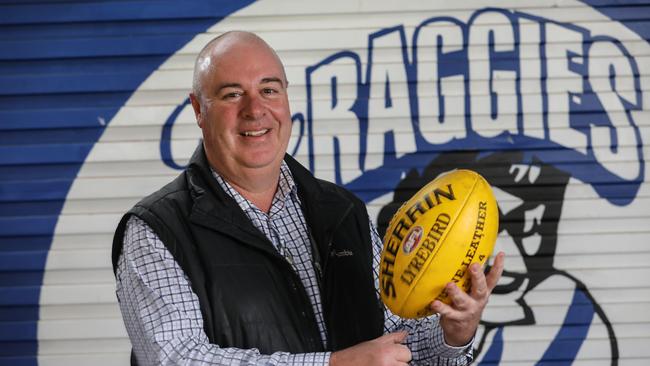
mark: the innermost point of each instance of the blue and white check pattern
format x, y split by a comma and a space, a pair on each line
162, 313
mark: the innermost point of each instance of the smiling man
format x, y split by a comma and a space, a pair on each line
246, 258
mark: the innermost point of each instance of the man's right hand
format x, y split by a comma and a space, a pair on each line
386, 350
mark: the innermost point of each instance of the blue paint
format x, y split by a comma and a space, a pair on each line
9, 349
24, 242
18, 313
21, 279
60, 116
388, 100
495, 352
166, 136
22, 260
27, 295
567, 342
334, 90
569, 339
62, 83
633, 17
101, 11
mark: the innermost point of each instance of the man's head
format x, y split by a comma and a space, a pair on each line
239, 96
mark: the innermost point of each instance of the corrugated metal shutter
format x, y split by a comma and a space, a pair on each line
93, 116
66, 69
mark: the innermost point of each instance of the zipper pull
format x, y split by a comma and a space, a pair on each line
289, 258
319, 270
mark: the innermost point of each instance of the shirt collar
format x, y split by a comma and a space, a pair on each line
286, 189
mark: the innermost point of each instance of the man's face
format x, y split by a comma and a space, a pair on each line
244, 110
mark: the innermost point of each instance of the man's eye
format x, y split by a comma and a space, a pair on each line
269, 91
231, 95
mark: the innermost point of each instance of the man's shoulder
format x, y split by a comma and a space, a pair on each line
334, 188
335, 193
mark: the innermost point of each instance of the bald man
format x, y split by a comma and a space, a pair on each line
246, 258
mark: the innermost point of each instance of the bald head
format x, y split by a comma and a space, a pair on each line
209, 57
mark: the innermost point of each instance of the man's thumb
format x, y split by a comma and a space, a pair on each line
397, 337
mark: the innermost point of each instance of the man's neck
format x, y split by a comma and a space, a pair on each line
260, 196
257, 186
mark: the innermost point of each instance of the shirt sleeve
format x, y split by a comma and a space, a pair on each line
425, 336
162, 314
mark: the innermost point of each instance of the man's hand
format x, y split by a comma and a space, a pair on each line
460, 320
383, 351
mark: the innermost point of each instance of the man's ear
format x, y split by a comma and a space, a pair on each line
196, 105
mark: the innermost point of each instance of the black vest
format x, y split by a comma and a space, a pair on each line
250, 297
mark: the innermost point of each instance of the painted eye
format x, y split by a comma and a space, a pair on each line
522, 170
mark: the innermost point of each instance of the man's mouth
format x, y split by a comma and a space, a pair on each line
255, 133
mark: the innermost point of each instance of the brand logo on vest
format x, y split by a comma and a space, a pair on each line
341, 253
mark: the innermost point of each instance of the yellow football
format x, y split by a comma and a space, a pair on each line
432, 239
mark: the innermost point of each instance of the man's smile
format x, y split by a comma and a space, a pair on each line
255, 133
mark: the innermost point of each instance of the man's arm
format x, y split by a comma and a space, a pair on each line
425, 339
162, 314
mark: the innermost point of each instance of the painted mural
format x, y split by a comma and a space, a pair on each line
547, 100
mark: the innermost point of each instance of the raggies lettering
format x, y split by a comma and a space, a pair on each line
497, 54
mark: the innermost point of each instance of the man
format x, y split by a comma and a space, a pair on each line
246, 258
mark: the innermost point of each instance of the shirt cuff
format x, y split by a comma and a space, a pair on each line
443, 350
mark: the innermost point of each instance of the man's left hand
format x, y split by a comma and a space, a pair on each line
460, 320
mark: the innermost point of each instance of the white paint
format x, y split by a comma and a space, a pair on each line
531, 79
612, 95
486, 120
436, 128
385, 82
560, 77
346, 142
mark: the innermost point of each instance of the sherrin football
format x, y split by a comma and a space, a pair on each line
432, 239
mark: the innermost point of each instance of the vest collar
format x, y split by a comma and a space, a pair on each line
215, 209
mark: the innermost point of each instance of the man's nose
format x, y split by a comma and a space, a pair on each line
253, 107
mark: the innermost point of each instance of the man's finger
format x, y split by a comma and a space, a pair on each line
396, 337
496, 271
403, 354
459, 298
441, 308
479, 284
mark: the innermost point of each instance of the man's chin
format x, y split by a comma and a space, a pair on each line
261, 161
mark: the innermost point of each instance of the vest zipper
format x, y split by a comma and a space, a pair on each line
321, 270
331, 237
